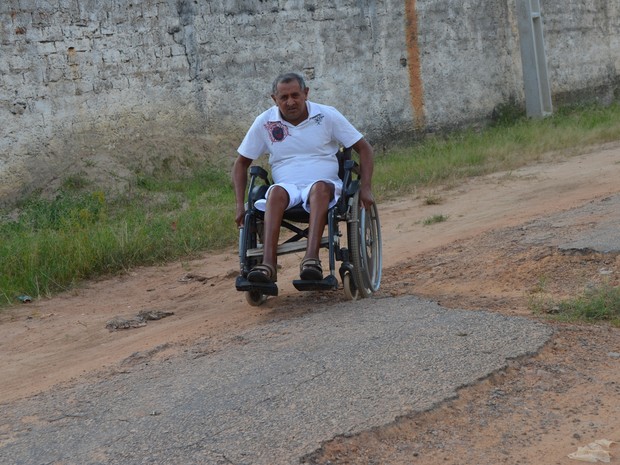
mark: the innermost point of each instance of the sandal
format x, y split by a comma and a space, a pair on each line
263, 273
310, 269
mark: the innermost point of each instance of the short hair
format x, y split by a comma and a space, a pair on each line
286, 78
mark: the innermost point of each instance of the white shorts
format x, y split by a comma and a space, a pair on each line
299, 195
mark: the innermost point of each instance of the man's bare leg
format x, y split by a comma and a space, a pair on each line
274, 211
320, 195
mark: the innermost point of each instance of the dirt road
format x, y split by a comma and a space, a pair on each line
537, 411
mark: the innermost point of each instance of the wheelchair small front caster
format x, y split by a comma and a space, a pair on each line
350, 291
255, 298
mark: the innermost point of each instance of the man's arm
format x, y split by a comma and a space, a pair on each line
365, 151
240, 181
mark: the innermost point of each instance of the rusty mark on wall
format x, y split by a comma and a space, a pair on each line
416, 88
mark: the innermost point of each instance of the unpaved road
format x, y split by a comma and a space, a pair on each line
535, 412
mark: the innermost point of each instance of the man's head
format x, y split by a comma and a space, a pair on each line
289, 92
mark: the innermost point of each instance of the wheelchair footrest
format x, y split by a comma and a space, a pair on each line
242, 284
330, 283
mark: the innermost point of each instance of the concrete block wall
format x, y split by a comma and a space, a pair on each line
106, 88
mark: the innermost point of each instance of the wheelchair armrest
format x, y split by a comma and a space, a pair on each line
259, 172
351, 165
256, 193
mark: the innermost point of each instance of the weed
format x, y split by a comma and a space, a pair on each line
506, 114
75, 182
433, 199
595, 304
434, 219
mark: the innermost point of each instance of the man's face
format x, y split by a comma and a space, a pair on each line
291, 101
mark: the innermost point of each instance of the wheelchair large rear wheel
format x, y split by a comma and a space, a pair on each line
364, 239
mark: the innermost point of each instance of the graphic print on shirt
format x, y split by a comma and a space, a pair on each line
318, 118
276, 130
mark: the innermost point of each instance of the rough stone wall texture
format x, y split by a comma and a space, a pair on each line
583, 49
470, 59
105, 88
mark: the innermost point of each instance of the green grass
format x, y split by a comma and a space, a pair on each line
54, 244
598, 304
51, 245
448, 159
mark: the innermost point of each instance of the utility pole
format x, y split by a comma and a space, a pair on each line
534, 59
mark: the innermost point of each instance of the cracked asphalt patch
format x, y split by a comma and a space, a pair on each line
594, 226
275, 393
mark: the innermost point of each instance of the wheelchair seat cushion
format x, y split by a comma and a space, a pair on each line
297, 214
298, 197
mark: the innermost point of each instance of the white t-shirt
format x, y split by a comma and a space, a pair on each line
301, 154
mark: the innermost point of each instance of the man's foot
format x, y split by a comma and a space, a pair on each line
263, 273
310, 269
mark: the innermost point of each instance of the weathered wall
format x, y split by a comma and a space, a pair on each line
104, 88
470, 59
583, 49
115, 84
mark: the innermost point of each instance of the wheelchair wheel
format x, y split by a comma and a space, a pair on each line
364, 237
255, 298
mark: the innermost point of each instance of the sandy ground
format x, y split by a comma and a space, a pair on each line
537, 411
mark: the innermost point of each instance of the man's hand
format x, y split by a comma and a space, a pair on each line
365, 151
366, 197
240, 216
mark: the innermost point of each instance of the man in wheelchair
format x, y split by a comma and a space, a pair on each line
302, 139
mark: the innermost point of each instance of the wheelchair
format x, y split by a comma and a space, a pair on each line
360, 257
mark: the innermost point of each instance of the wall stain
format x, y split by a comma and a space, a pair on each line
416, 87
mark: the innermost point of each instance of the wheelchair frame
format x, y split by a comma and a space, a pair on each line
360, 270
